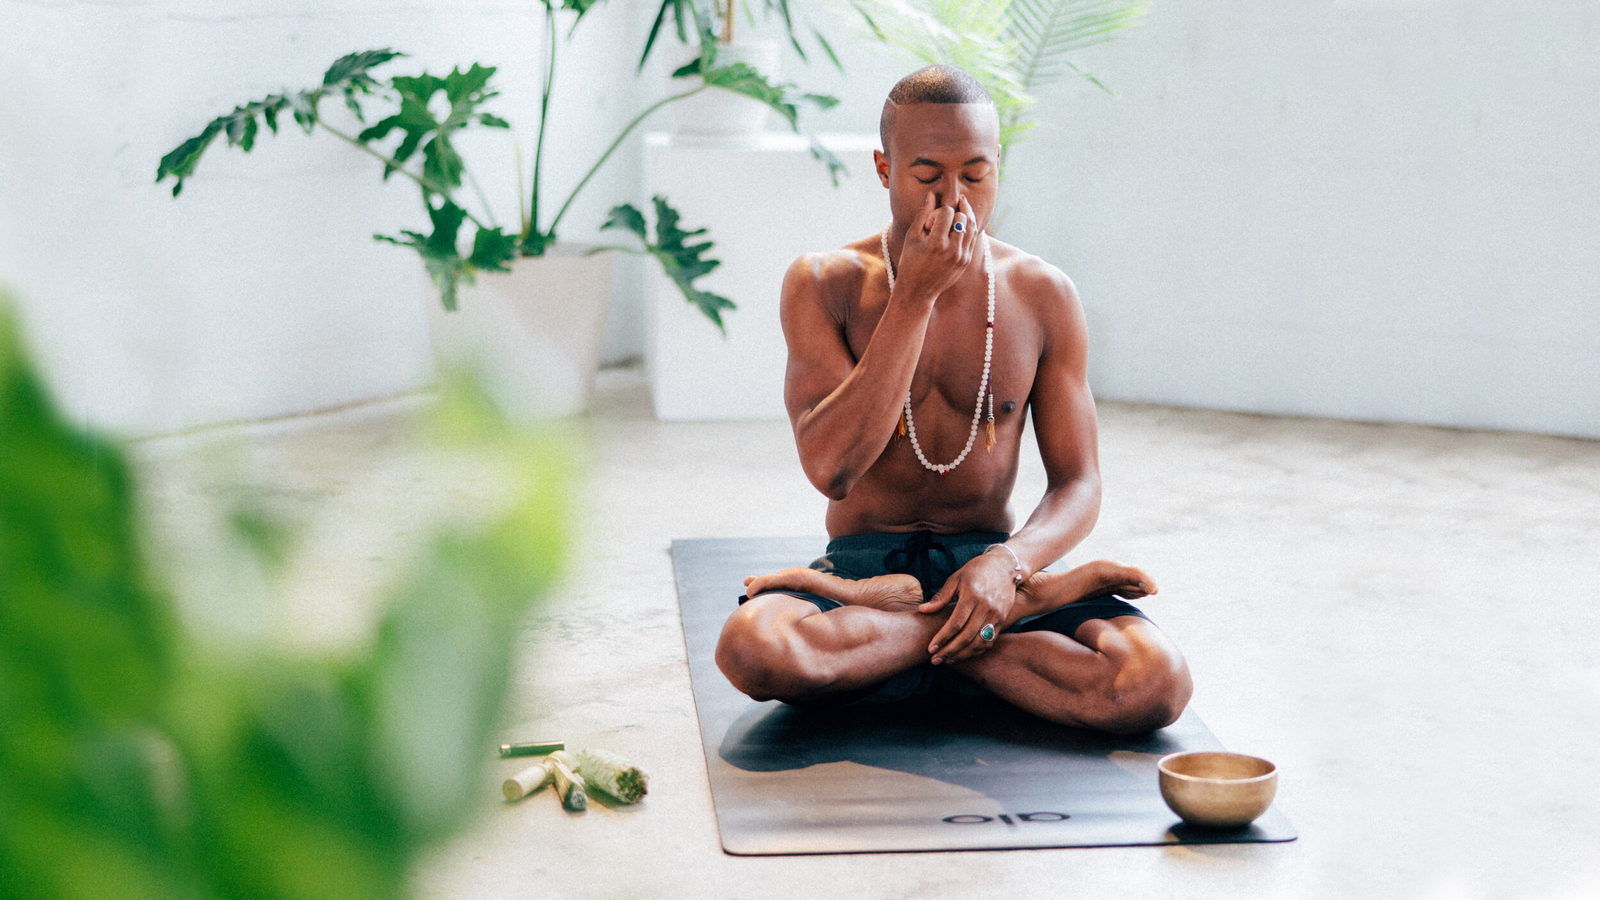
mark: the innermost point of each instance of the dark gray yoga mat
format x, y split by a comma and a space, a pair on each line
933, 774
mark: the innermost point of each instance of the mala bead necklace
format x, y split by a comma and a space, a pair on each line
908, 425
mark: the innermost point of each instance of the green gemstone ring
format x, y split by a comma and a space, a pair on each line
986, 633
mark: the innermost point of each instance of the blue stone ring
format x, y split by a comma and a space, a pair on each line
987, 631
959, 227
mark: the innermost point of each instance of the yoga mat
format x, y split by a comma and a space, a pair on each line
941, 774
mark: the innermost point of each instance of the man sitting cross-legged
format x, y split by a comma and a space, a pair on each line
914, 357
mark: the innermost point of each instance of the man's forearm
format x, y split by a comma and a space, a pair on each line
1063, 518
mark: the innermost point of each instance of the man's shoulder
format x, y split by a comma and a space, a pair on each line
853, 258
1031, 278
829, 271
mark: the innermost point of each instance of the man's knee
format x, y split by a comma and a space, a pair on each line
1150, 691
1148, 685
764, 656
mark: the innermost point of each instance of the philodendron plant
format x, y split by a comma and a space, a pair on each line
441, 170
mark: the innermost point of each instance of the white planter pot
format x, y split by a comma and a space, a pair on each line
533, 334
721, 112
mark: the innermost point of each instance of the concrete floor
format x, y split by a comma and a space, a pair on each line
1405, 619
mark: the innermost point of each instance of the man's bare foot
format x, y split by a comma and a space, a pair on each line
1101, 578
893, 593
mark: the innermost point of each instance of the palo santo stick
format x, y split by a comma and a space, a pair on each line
568, 784
612, 774
528, 781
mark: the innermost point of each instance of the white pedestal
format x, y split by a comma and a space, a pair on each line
766, 201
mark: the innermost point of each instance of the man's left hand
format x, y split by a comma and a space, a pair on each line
984, 594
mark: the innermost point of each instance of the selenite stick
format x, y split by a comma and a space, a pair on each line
528, 781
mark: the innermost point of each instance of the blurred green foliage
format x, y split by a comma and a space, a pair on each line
135, 762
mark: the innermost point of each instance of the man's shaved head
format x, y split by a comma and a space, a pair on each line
932, 84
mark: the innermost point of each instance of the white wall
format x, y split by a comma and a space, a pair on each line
259, 292
1373, 209
1377, 209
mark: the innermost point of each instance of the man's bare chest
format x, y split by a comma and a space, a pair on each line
955, 347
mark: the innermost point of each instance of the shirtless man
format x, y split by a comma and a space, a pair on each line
923, 585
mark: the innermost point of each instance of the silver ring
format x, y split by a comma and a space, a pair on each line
986, 634
959, 227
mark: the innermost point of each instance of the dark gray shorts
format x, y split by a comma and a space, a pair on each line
932, 558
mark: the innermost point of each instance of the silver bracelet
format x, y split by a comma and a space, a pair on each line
1016, 571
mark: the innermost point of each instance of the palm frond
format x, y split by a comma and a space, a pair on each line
967, 34
1044, 32
1011, 46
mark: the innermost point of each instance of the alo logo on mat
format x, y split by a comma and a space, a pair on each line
1009, 820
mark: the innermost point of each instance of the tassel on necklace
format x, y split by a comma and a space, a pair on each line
988, 428
902, 432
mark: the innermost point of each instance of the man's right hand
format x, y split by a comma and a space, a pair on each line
933, 256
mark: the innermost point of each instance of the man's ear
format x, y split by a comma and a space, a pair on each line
880, 161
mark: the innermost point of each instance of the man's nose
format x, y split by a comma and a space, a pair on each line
949, 193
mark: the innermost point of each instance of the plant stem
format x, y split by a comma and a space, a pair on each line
522, 211
614, 145
425, 183
478, 191
544, 119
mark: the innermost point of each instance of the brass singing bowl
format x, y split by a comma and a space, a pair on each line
1217, 790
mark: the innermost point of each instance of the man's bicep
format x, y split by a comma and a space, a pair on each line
819, 357
1063, 407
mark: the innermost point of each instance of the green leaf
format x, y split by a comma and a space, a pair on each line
380, 129
241, 129
181, 161
465, 90
270, 108
742, 79
745, 80
492, 248
822, 101
76, 608
682, 261
353, 104
404, 150
304, 105
836, 167
828, 49
446, 269
87, 648
1044, 32
655, 29
418, 87
441, 164
355, 66
446, 218
628, 216
136, 763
